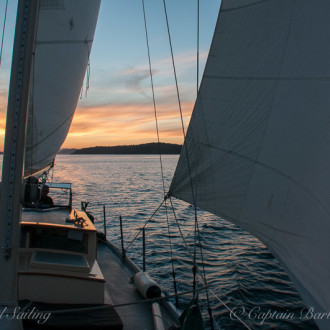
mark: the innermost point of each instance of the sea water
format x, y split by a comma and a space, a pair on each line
240, 271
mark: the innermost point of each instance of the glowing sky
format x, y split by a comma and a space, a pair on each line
118, 108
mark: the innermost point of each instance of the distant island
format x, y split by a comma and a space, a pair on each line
66, 151
146, 149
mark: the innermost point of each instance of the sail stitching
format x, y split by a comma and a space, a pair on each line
54, 131
271, 107
201, 112
274, 170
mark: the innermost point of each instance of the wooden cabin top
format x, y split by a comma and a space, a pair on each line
77, 220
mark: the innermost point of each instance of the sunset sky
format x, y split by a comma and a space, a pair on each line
118, 108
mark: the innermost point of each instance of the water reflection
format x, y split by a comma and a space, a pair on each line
240, 270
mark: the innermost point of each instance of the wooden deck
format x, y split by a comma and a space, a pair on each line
121, 290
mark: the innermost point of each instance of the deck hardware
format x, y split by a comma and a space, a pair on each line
84, 206
80, 221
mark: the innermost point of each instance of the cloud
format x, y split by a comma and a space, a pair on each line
130, 84
122, 124
135, 80
119, 107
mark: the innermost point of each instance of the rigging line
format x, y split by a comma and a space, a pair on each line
145, 225
180, 230
159, 149
202, 304
184, 241
229, 309
197, 61
3, 31
153, 97
185, 145
203, 283
30, 117
199, 237
32, 93
88, 71
172, 261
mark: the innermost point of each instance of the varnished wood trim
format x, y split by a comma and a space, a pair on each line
63, 275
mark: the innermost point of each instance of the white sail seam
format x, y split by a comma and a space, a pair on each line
272, 169
51, 133
269, 78
56, 42
246, 6
272, 103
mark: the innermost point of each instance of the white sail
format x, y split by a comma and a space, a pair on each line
63, 44
259, 137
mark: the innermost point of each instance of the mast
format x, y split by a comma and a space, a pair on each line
13, 159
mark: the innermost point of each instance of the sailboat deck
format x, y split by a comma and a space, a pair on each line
122, 290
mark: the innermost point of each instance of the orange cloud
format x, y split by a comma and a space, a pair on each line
126, 124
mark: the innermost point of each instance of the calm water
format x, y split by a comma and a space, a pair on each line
240, 270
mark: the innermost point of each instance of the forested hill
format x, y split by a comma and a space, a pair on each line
146, 149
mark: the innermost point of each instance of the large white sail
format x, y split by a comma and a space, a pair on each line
259, 137
63, 44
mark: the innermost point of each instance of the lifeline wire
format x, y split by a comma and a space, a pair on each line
187, 248
144, 225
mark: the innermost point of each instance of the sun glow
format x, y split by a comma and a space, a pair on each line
125, 124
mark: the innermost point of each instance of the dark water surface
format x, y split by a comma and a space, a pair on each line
241, 272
